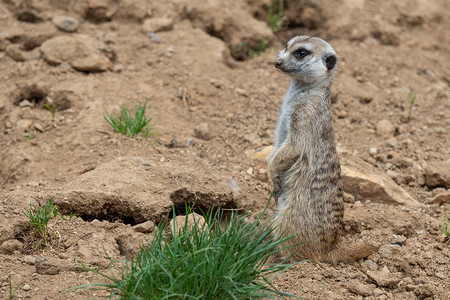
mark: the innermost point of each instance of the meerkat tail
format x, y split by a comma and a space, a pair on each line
350, 252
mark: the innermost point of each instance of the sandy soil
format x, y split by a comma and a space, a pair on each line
215, 99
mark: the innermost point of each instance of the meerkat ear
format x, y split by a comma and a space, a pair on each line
330, 61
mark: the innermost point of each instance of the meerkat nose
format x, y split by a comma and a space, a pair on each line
278, 63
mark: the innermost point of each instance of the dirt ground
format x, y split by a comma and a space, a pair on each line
206, 70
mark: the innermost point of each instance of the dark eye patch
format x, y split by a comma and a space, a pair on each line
301, 53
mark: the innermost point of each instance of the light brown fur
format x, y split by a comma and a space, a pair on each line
304, 166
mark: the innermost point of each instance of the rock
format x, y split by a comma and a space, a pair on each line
92, 63
26, 287
441, 198
145, 227
157, 24
47, 266
236, 27
9, 246
253, 138
384, 278
130, 241
25, 103
370, 265
39, 127
203, 131
126, 189
385, 128
194, 220
24, 124
82, 52
390, 251
437, 174
16, 53
28, 259
66, 23
364, 182
63, 48
361, 289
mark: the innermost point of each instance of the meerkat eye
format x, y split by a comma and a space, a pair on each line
301, 53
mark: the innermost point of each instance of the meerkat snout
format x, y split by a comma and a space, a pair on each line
278, 64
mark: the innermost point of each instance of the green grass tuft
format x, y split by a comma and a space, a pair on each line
209, 261
51, 110
276, 18
129, 126
411, 99
39, 218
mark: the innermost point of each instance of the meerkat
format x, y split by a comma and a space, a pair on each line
304, 165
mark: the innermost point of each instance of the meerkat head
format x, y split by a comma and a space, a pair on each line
310, 60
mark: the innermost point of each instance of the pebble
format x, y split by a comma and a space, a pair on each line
28, 259
66, 23
157, 24
385, 128
360, 289
26, 103
203, 131
92, 63
24, 124
369, 264
373, 151
437, 174
10, 246
145, 227
384, 277
390, 250
26, 287
254, 139
46, 266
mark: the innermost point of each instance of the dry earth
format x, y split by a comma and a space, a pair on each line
214, 105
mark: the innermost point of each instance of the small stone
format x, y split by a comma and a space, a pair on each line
254, 139
385, 128
203, 131
39, 127
46, 266
26, 287
10, 246
441, 198
390, 251
28, 259
32, 183
368, 264
145, 227
157, 24
193, 219
92, 63
24, 124
384, 277
437, 174
373, 151
250, 171
360, 288
26, 103
66, 23
16, 53
241, 92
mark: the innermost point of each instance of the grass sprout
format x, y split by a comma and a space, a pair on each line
51, 109
12, 290
445, 229
39, 218
129, 126
276, 18
206, 260
411, 99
